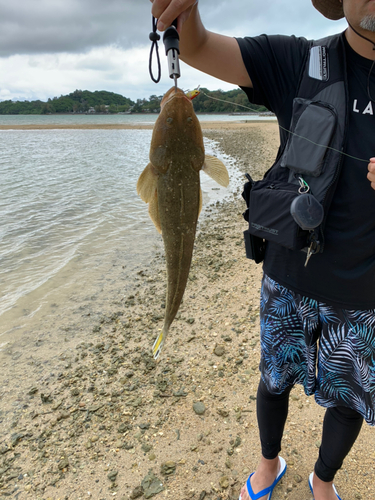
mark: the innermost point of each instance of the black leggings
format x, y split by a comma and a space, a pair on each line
341, 427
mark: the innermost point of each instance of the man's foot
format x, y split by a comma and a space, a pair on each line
322, 490
267, 475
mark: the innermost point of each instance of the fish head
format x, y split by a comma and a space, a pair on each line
177, 132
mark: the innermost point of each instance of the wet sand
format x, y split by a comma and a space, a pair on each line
87, 413
102, 126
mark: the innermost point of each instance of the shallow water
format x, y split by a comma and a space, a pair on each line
70, 218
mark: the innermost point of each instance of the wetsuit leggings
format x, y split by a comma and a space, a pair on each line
341, 427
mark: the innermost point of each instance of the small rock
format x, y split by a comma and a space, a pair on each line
219, 350
223, 413
151, 485
224, 482
112, 475
199, 408
237, 442
46, 398
63, 463
16, 438
136, 493
168, 468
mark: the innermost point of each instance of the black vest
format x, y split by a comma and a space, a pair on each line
311, 159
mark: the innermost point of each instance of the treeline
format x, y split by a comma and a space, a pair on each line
218, 101
84, 101
79, 101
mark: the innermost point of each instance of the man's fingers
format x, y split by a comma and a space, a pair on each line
159, 6
166, 11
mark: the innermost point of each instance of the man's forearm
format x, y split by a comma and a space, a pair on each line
193, 36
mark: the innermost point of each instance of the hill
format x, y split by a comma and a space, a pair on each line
101, 101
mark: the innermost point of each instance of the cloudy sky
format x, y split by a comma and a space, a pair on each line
52, 47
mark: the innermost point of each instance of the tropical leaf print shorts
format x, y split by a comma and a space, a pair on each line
330, 351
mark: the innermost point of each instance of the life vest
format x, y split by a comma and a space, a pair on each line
310, 160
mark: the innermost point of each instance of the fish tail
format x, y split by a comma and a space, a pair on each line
158, 344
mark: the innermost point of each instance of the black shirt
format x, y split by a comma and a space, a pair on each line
344, 274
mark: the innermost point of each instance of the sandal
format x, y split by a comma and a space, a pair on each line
269, 490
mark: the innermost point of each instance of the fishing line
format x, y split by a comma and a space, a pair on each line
289, 131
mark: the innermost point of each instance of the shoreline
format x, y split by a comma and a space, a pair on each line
206, 125
95, 413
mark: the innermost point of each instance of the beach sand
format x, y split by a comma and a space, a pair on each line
94, 416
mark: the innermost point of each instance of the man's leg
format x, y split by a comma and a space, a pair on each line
272, 412
341, 427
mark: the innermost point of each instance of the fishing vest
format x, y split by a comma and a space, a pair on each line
289, 205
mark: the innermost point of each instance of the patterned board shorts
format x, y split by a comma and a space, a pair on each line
330, 351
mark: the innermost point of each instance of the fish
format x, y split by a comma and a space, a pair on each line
170, 185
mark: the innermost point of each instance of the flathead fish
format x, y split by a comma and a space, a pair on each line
170, 184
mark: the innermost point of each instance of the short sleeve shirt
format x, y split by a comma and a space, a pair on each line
344, 273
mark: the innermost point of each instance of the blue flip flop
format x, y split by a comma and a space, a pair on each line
311, 488
267, 491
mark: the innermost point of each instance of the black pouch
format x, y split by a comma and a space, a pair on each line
255, 247
269, 214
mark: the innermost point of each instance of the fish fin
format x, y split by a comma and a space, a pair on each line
147, 182
200, 202
153, 211
158, 344
216, 169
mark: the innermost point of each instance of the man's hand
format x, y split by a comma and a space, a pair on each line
371, 172
166, 11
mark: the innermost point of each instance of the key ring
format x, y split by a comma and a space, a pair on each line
304, 187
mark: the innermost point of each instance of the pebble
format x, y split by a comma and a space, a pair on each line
219, 350
199, 408
224, 482
151, 485
112, 475
136, 493
168, 468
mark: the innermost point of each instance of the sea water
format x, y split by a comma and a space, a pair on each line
70, 217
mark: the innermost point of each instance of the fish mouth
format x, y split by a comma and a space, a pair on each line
178, 93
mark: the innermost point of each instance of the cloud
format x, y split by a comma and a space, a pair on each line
52, 47
44, 26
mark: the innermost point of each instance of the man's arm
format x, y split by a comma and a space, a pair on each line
371, 172
214, 54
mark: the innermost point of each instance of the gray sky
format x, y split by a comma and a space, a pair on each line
52, 47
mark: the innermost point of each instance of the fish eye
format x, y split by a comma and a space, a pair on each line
169, 120
189, 119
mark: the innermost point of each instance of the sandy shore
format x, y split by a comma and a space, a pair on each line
102, 126
96, 417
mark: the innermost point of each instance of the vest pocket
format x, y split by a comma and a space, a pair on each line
270, 217
312, 130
